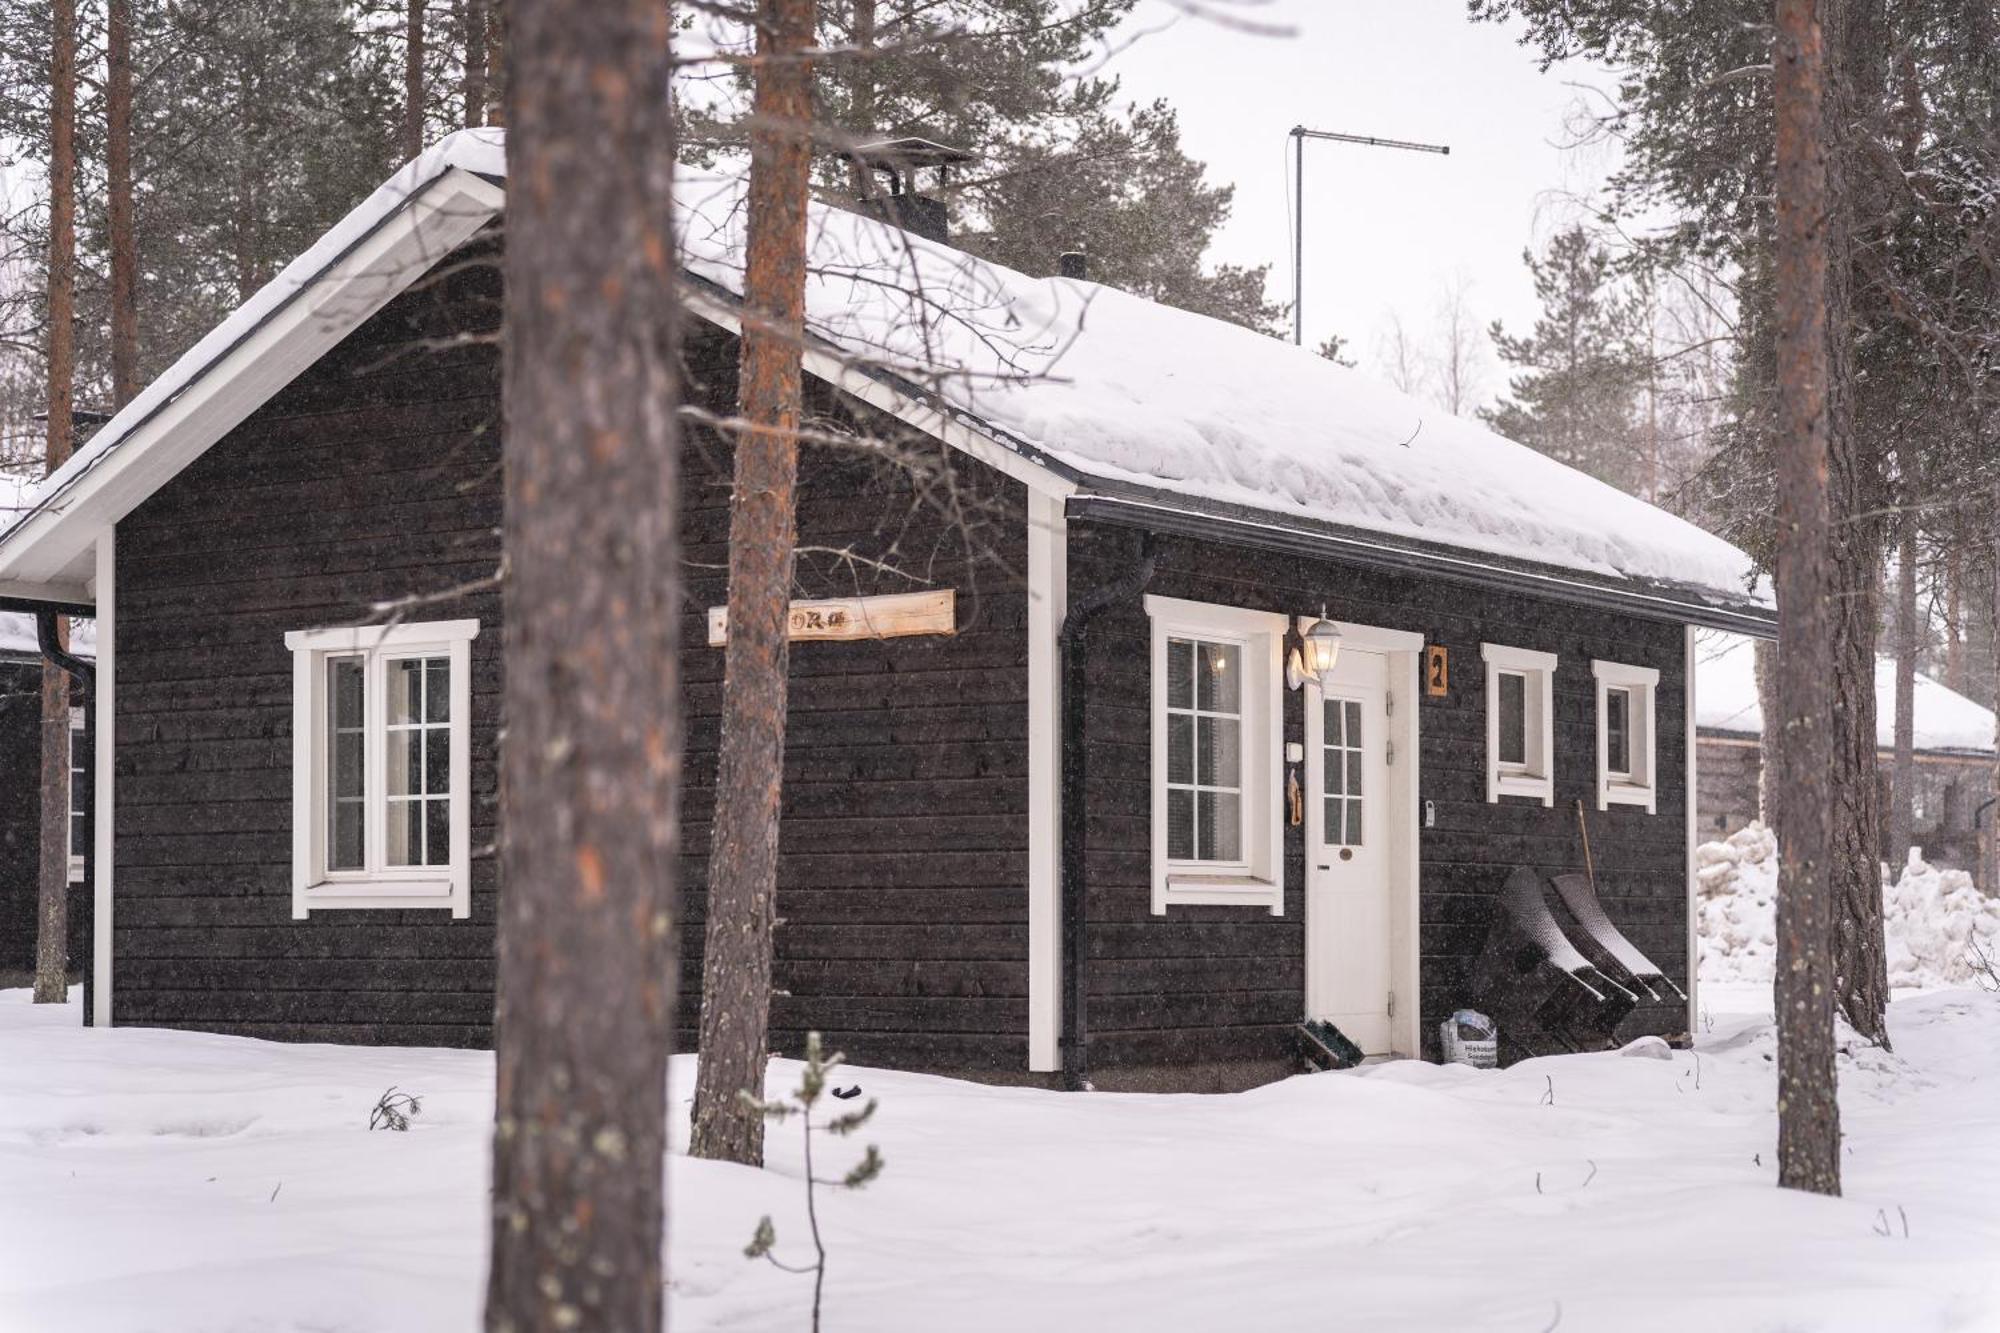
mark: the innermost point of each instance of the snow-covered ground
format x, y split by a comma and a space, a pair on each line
154, 1180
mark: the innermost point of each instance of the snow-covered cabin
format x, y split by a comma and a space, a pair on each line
1954, 739
1148, 867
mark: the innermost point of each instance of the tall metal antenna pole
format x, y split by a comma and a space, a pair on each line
1299, 135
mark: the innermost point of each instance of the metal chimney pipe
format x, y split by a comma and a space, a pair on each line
1074, 264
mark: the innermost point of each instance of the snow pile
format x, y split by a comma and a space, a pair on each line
1936, 922
1939, 925
1726, 700
1736, 905
172, 1182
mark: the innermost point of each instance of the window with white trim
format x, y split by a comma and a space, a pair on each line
1627, 756
79, 794
1520, 723
381, 753
1217, 713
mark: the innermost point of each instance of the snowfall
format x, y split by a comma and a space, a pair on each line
155, 1180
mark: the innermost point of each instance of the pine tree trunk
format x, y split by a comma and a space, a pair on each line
863, 129
1808, 1108
743, 865
1993, 815
413, 79
118, 188
1765, 665
1861, 971
1954, 613
498, 68
591, 762
1903, 813
52, 916
473, 16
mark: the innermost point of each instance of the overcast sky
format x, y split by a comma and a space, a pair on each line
1385, 230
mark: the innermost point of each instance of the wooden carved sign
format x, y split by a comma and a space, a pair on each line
1437, 671
891, 616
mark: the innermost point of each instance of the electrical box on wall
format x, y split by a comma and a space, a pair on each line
1430, 814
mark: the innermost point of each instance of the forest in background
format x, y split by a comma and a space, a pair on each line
254, 127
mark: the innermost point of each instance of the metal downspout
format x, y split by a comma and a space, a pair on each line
1073, 643
82, 672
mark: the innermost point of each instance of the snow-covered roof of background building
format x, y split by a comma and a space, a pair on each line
1726, 701
1118, 396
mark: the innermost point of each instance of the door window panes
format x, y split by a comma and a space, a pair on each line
1340, 824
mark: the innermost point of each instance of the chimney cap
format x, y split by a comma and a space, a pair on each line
909, 154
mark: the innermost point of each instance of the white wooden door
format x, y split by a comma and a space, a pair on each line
1348, 976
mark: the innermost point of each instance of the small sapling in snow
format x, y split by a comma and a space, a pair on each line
1988, 975
394, 1110
812, 1084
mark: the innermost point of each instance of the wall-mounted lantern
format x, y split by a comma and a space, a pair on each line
1316, 656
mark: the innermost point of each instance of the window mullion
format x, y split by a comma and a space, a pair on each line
374, 738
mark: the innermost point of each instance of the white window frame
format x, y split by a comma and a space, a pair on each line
1640, 787
314, 887
78, 724
1536, 777
1259, 880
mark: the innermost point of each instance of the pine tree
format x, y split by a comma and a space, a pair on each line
1061, 164
1123, 192
1696, 107
1808, 1107
52, 919
743, 867
1575, 396
591, 758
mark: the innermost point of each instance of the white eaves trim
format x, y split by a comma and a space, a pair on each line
294, 321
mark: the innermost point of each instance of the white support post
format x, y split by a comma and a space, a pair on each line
1048, 582
105, 715
1693, 803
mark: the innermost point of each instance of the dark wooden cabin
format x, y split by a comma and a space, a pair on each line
1159, 908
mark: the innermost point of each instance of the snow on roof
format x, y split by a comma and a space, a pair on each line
1726, 700
1124, 389
1109, 387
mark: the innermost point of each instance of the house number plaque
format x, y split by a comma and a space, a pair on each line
891, 616
1437, 671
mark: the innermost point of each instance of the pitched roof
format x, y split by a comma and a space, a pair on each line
1127, 393
1726, 701
1112, 400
